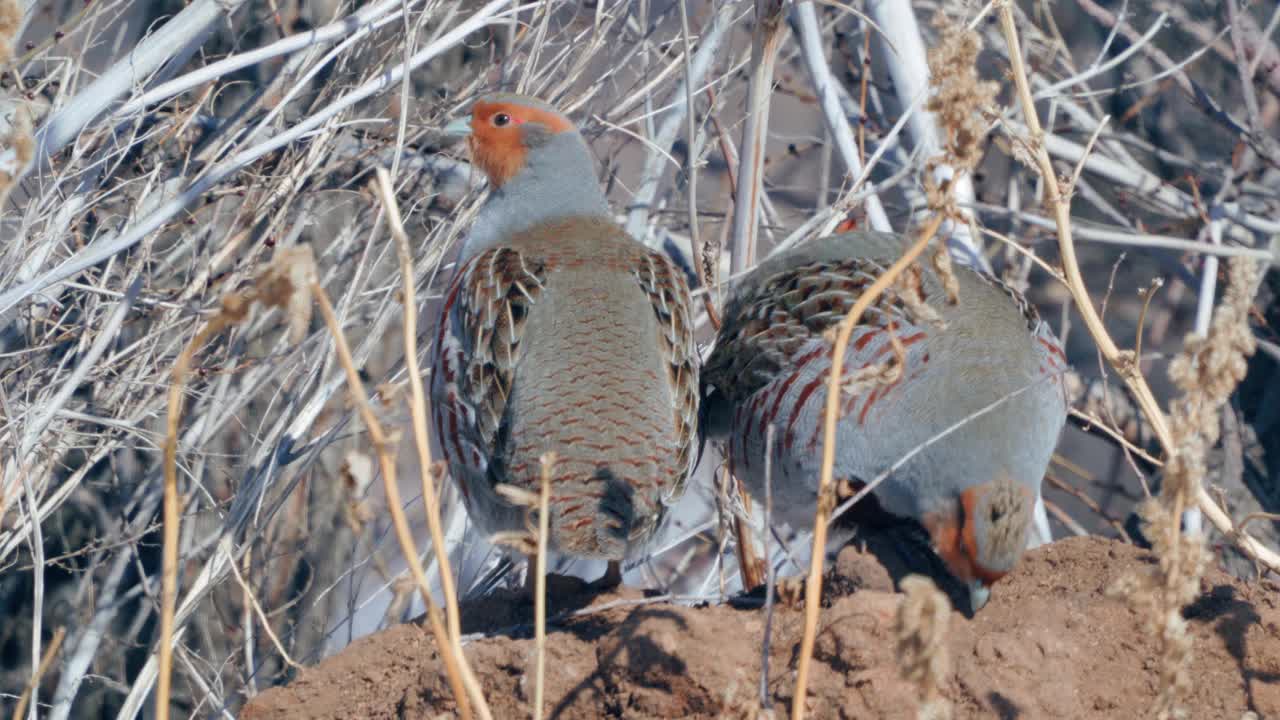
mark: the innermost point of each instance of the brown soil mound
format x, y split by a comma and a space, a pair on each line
1050, 644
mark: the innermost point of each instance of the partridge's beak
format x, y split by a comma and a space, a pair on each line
979, 594
458, 128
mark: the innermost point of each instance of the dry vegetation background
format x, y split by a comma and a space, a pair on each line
158, 156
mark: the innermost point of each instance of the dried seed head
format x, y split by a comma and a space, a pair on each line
10, 21
286, 284
960, 98
1207, 372
16, 144
920, 631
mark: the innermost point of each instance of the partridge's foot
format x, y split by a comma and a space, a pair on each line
611, 579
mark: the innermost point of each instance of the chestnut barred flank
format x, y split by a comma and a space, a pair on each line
954, 409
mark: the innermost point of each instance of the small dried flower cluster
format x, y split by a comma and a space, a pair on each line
16, 143
958, 102
920, 630
10, 22
863, 380
1207, 371
285, 284
959, 98
910, 287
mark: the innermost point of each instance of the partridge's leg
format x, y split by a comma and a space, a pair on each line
611, 579
749, 564
531, 578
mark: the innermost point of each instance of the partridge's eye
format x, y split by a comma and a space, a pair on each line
501, 120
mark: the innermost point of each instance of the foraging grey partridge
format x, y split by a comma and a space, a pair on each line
559, 332
974, 488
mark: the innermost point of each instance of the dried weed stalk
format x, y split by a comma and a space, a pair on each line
1058, 200
285, 285
16, 145
51, 652
959, 102
920, 633
383, 187
532, 542
1207, 372
826, 494
462, 681
548, 463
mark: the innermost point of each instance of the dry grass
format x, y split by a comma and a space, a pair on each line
291, 274
426, 468
956, 101
450, 648
191, 196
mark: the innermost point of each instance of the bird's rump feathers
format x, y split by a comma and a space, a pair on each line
570, 337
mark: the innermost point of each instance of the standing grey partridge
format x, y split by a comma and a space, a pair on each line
559, 332
972, 489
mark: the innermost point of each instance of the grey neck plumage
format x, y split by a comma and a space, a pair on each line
558, 180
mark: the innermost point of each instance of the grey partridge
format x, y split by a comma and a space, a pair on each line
560, 332
973, 489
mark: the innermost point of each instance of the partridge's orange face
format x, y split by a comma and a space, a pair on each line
499, 136
957, 544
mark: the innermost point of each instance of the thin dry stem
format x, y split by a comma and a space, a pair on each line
1119, 360
1162, 592
1147, 294
20, 710
252, 601
813, 586
766, 42
279, 286
461, 680
418, 409
234, 309
703, 265
548, 462
1115, 436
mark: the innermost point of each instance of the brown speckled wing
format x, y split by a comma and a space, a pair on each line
766, 325
664, 284
478, 349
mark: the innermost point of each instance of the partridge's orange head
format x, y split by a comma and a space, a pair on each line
504, 129
985, 536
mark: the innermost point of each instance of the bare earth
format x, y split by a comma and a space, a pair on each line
1049, 645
